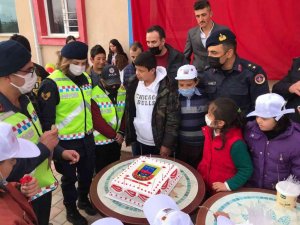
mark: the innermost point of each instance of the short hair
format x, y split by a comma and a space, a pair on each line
135, 46
158, 29
201, 4
97, 49
230, 44
22, 40
69, 38
146, 59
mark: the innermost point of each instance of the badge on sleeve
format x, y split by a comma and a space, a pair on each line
259, 78
46, 96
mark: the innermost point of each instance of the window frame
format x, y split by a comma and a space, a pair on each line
45, 37
9, 34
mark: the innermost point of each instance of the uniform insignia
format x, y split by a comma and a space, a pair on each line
46, 96
240, 68
259, 78
111, 70
222, 37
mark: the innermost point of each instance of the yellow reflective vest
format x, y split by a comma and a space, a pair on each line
111, 113
30, 129
73, 113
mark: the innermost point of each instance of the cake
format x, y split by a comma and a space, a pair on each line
143, 178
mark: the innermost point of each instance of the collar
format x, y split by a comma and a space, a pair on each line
237, 65
8, 106
212, 27
94, 73
197, 92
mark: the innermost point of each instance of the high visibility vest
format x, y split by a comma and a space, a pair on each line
111, 113
30, 129
73, 113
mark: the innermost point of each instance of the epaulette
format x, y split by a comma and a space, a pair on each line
251, 66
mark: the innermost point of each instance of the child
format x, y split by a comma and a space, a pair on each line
273, 142
226, 163
193, 110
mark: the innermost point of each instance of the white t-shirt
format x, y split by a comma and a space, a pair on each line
145, 98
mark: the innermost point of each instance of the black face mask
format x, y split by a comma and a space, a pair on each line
214, 62
155, 50
113, 89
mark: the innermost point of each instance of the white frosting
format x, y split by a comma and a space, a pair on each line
129, 190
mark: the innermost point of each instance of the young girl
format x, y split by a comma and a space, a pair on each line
273, 142
194, 106
226, 163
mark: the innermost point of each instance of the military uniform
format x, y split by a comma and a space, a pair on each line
244, 83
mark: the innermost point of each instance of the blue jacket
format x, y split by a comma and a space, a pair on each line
273, 160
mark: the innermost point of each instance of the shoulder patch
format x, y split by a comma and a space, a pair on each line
45, 95
259, 78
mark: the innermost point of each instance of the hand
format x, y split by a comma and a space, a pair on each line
295, 88
119, 138
49, 139
216, 214
71, 155
30, 188
164, 151
219, 186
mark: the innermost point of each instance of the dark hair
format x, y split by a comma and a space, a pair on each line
121, 61
146, 59
97, 49
282, 124
229, 44
135, 46
69, 38
225, 109
158, 29
201, 4
22, 40
119, 47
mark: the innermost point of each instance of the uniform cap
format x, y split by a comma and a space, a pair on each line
75, 50
220, 37
111, 75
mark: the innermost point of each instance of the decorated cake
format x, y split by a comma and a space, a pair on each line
142, 179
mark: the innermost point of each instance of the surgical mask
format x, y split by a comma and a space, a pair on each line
208, 121
155, 50
76, 70
187, 92
30, 80
214, 62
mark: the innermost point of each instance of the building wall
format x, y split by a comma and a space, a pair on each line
105, 20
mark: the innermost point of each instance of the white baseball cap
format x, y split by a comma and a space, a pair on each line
270, 105
186, 72
12, 147
163, 210
108, 221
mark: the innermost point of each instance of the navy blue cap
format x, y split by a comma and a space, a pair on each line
13, 57
220, 37
75, 50
111, 75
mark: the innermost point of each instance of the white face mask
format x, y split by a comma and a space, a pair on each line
76, 70
208, 121
30, 80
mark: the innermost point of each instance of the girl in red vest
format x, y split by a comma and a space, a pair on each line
226, 164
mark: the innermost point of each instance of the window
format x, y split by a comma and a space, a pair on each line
8, 17
61, 17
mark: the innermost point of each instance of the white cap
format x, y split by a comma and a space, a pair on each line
108, 221
12, 147
162, 209
270, 105
186, 72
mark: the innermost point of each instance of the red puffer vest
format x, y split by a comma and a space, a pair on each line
217, 165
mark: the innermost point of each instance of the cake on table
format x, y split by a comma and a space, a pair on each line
144, 177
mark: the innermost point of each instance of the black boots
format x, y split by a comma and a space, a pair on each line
85, 204
73, 216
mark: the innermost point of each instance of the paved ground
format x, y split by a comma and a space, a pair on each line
58, 211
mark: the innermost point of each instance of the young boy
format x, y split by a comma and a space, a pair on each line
193, 110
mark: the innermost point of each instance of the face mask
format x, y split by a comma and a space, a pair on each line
155, 50
30, 80
208, 121
113, 89
187, 92
214, 62
76, 70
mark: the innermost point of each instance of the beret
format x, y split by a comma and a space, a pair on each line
13, 57
220, 37
75, 50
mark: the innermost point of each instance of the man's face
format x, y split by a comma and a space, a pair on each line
134, 54
203, 17
28, 68
218, 51
143, 74
153, 40
99, 61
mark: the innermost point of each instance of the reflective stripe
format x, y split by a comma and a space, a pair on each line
74, 136
6, 115
69, 119
45, 190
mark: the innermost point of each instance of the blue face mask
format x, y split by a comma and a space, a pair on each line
187, 92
